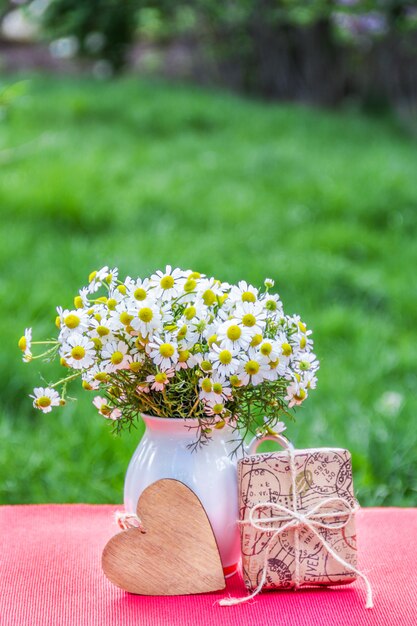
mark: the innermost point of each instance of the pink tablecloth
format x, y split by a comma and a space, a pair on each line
50, 575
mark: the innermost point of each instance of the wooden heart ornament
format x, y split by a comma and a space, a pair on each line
175, 551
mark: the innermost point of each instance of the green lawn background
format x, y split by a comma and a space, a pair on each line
140, 174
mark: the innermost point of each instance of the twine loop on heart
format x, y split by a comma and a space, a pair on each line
295, 519
128, 520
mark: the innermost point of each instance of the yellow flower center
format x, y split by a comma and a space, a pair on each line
97, 343
161, 377
43, 401
135, 366
58, 321
101, 377
225, 357
190, 285
166, 350
286, 349
183, 356
212, 339
302, 327
109, 278
218, 408
139, 294
22, 343
86, 385
266, 348
167, 282
209, 297
252, 367
102, 300
190, 312
256, 340
182, 332
273, 364
271, 305
125, 318
103, 331
72, 321
206, 366
97, 317
122, 289
78, 353
117, 357
195, 275
92, 276
206, 385
249, 320
303, 342
248, 296
233, 332
145, 314
234, 381
301, 395
217, 388
78, 302
111, 304
304, 366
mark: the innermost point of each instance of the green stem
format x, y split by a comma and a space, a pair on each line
65, 380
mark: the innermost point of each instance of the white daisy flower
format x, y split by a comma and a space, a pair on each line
269, 283
251, 315
273, 305
296, 394
253, 369
283, 345
147, 319
243, 292
45, 398
186, 360
111, 278
115, 356
119, 318
99, 328
137, 290
78, 351
105, 410
233, 336
159, 381
168, 284
278, 368
210, 291
163, 352
214, 410
214, 390
95, 376
76, 320
25, 344
309, 380
96, 278
305, 361
224, 361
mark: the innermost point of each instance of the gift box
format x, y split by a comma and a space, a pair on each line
297, 519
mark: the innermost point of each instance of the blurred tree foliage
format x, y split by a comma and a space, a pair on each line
314, 50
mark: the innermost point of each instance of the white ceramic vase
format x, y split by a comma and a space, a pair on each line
210, 471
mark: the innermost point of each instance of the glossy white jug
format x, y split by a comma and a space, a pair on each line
210, 471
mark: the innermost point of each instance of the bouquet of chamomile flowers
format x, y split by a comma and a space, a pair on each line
179, 344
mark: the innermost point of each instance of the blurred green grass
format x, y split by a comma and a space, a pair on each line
139, 174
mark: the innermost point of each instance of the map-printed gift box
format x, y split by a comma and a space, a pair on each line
310, 493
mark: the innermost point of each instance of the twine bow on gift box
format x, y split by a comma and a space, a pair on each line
286, 519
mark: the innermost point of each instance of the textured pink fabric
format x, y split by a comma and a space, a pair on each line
50, 575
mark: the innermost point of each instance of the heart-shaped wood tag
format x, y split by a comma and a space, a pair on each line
174, 554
